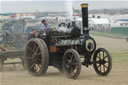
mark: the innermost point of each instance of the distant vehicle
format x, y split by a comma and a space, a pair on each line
15, 40
14, 26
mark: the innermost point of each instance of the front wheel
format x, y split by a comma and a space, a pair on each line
71, 64
102, 62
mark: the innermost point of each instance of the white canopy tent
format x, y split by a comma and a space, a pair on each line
99, 21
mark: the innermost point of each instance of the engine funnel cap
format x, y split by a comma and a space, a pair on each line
85, 5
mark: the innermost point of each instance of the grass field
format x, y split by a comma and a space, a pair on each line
107, 34
121, 56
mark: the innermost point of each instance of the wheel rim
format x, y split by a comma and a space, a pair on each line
70, 64
34, 57
102, 62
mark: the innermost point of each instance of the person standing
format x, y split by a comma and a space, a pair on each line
47, 27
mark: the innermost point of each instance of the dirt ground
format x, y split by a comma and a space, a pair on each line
118, 75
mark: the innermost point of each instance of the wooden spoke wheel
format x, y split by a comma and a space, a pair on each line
71, 64
36, 57
102, 62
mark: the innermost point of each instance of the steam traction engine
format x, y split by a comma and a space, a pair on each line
63, 49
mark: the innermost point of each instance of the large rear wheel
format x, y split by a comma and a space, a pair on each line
36, 57
102, 62
71, 64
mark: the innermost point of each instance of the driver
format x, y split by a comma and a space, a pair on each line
47, 27
32, 34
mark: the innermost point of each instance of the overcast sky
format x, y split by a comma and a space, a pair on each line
57, 5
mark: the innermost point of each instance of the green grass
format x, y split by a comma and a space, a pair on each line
107, 34
121, 56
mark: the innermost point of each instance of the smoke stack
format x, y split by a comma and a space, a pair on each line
84, 8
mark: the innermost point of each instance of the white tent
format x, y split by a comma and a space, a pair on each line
99, 21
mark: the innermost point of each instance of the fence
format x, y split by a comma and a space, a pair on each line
120, 30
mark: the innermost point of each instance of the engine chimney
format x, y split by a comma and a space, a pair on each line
84, 8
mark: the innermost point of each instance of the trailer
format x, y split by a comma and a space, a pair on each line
11, 54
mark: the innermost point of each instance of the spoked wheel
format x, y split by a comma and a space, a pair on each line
71, 64
36, 57
102, 62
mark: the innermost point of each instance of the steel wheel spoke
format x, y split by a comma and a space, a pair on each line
39, 59
98, 61
105, 57
72, 57
106, 61
98, 66
68, 66
37, 49
99, 57
105, 66
30, 49
32, 65
34, 46
30, 55
39, 53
